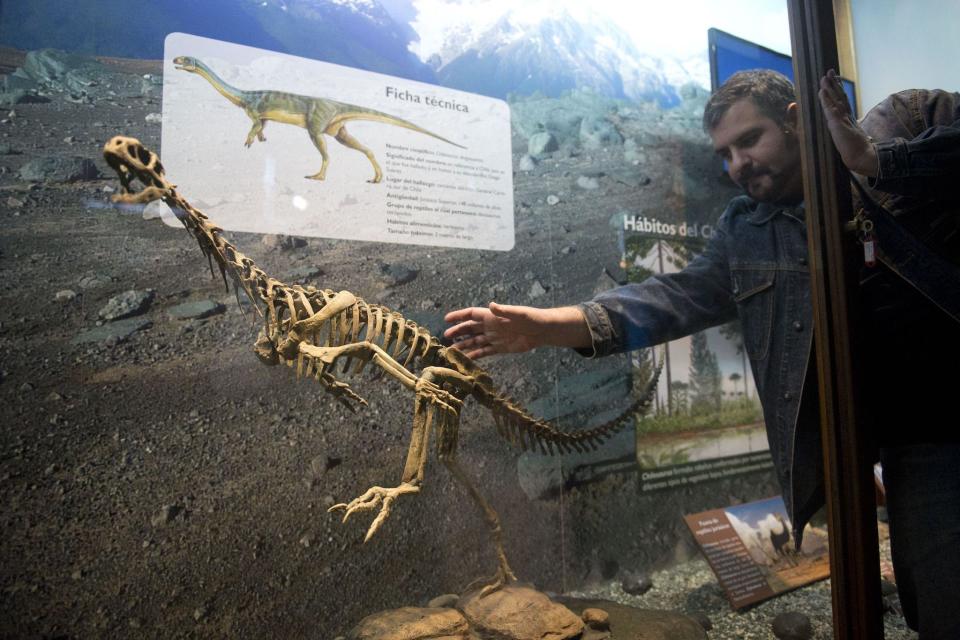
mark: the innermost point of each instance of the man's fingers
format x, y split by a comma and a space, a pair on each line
476, 354
472, 343
469, 313
510, 311
467, 328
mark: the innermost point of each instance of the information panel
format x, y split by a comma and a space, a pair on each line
751, 549
273, 143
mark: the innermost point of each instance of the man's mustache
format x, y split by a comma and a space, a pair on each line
749, 173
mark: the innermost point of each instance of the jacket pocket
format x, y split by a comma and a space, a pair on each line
753, 294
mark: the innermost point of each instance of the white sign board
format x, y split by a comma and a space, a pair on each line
271, 143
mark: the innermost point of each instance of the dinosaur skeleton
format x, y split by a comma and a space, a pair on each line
316, 329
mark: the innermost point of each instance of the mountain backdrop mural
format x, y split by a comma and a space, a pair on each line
515, 53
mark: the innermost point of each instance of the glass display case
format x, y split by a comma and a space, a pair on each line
159, 479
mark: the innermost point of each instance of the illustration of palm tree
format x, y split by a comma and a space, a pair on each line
734, 378
733, 332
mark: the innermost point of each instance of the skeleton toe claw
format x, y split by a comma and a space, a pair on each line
384, 497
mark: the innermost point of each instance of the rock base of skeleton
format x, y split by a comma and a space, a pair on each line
521, 613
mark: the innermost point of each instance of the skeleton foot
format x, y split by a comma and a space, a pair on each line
369, 501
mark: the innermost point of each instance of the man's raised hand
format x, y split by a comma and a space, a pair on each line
855, 147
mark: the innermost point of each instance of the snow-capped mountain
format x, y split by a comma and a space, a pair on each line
357, 33
523, 52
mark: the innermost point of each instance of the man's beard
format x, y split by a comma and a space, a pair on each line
774, 179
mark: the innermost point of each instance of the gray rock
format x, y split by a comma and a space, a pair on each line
536, 290
151, 85
631, 178
527, 163
394, 275
596, 133
18, 81
636, 584
65, 295
94, 281
560, 116
304, 273
196, 310
279, 242
166, 515
129, 303
552, 200
633, 152
154, 118
57, 169
113, 332
79, 78
156, 209
21, 96
792, 625
588, 182
542, 143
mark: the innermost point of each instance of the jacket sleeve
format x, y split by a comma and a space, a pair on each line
666, 306
928, 163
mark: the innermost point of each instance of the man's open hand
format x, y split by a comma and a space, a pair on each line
504, 328
500, 328
855, 147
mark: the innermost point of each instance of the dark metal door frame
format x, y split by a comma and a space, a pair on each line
848, 460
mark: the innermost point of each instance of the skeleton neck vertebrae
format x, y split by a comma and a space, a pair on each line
315, 329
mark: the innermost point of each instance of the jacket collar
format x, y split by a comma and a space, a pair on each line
761, 212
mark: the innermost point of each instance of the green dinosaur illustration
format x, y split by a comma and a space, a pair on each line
318, 116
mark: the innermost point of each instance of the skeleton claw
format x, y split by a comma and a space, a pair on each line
369, 501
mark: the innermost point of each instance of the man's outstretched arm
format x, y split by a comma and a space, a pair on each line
503, 328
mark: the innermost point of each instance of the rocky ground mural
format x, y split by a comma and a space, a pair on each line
156, 480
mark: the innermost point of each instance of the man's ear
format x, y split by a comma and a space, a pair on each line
791, 118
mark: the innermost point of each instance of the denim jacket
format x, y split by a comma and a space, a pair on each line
755, 268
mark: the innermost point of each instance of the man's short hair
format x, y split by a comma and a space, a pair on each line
772, 92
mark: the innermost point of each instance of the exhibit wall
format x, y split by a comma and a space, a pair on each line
899, 47
425, 155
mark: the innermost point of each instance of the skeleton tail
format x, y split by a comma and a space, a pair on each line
526, 431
